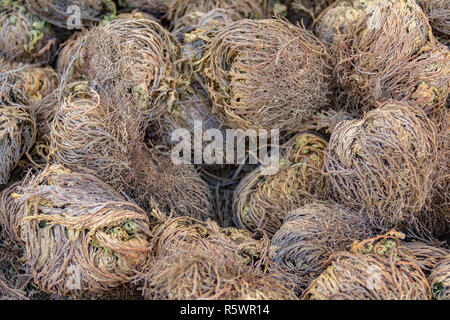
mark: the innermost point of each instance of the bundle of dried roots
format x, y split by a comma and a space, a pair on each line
154, 6
266, 74
24, 37
311, 7
369, 68
262, 201
73, 14
440, 280
25, 84
71, 58
438, 13
379, 268
17, 136
94, 240
187, 275
184, 233
384, 163
107, 140
309, 235
250, 9
195, 31
137, 59
427, 255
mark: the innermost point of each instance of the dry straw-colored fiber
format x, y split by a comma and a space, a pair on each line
369, 68
310, 234
261, 201
440, 280
379, 268
62, 13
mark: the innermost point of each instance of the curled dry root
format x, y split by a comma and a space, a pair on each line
195, 31
427, 255
251, 9
94, 240
440, 280
17, 136
196, 260
312, 7
183, 233
26, 84
379, 268
438, 13
266, 74
61, 12
369, 68
108, 141
205, 275
72, 56
24, 37
384, 163
309, 235
261, 202
137, 59
155, 6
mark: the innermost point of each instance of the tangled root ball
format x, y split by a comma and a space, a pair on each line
438, 13
427, 255
195, 31
251, 9
369, 68
65, 13
138, 59
17, 136
72, 56
379, 268
266, 74
261, 201
203, 275
311, 7
94, 240
24, 37
107, 140
309, 235
440, 280
185, 233
157, 6
384, 163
